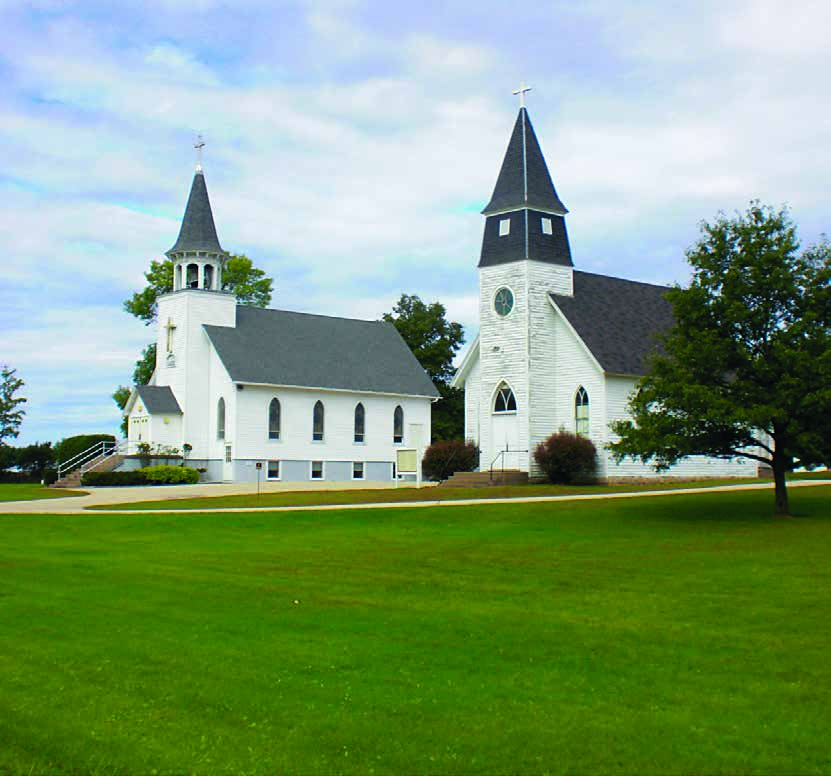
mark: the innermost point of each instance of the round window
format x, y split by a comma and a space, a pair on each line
503, 302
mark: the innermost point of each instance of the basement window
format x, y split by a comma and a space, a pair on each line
317, 470
273, 470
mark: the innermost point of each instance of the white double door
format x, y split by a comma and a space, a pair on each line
505, 439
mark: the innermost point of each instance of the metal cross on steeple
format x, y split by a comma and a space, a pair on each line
521, 92
199, 145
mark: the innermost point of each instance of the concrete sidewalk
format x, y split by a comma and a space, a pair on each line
74, 506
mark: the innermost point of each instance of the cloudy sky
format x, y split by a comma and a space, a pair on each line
351, 145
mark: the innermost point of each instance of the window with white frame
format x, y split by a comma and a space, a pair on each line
317, 422
360, 423
274, 418
398, 425
504, 401
504, 227
220, 419
273, 470
317, 470
546, 226
581, 411
357, 470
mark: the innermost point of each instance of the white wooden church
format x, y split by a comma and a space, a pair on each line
296, 397
271, 393
557, 348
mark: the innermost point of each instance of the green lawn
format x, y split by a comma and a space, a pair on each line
407, 494
680, 635
32, 492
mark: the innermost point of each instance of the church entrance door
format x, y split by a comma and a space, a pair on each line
505, 437
228, 465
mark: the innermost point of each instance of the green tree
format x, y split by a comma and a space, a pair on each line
746, 369
434, 341
249, 284
11, 410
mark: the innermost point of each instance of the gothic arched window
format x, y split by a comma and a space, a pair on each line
220, 419
581, 411
504, 401
360, 422
398, 425
317, 422
274, 419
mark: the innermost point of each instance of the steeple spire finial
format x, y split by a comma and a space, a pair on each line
199, 145
521, 92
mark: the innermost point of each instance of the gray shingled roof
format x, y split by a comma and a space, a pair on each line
524, 161
619, 320
158, 399
277, 347
198, 232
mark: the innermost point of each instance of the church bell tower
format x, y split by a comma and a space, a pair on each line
525, 256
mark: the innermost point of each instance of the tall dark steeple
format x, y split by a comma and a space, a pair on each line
525, 216
198, 258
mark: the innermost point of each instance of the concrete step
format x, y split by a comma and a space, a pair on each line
104, 463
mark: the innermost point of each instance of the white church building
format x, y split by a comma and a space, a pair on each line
557, 348
271, 393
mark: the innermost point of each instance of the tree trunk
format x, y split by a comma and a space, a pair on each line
780, 487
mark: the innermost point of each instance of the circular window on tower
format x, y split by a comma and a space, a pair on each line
503, 302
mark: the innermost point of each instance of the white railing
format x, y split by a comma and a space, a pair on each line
92, 455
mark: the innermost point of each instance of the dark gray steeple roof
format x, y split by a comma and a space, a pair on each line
198, 232
620, 321
524, 180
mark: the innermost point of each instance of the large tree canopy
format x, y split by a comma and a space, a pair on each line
249, 284
11, 409
746, 369
434, 341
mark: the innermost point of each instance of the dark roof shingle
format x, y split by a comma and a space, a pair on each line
198, 232
620, 321
277, 347
158, 399
524, 163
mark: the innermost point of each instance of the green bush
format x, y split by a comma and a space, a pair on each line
170, 475
72, 446
565, 457
114, 478
442, 459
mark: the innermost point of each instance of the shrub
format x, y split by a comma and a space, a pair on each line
170, 475
71, 446
565, 457
114, 478
443, 459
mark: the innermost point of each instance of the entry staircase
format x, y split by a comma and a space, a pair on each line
485, 479
101, 457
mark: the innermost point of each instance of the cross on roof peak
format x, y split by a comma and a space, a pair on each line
199, 145
523, 87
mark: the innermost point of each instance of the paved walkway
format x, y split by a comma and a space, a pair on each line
75, 505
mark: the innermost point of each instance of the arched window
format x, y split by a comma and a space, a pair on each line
220, 419
208, 276
192, 276
360, 422
317, 422
581, 411
504, 401
274, 419
398, 425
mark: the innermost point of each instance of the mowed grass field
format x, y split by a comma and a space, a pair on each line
15, 492
687, 634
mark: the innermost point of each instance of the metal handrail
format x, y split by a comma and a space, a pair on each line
87, 458
501, 454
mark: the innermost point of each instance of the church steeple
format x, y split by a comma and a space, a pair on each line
198, 258
525, 216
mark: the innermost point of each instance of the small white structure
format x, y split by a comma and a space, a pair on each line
310, 397
557, 348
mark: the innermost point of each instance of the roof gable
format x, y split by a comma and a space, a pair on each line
278, 347
620, 321
158, 399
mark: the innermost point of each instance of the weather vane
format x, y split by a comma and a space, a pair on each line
521, 92
199, 145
